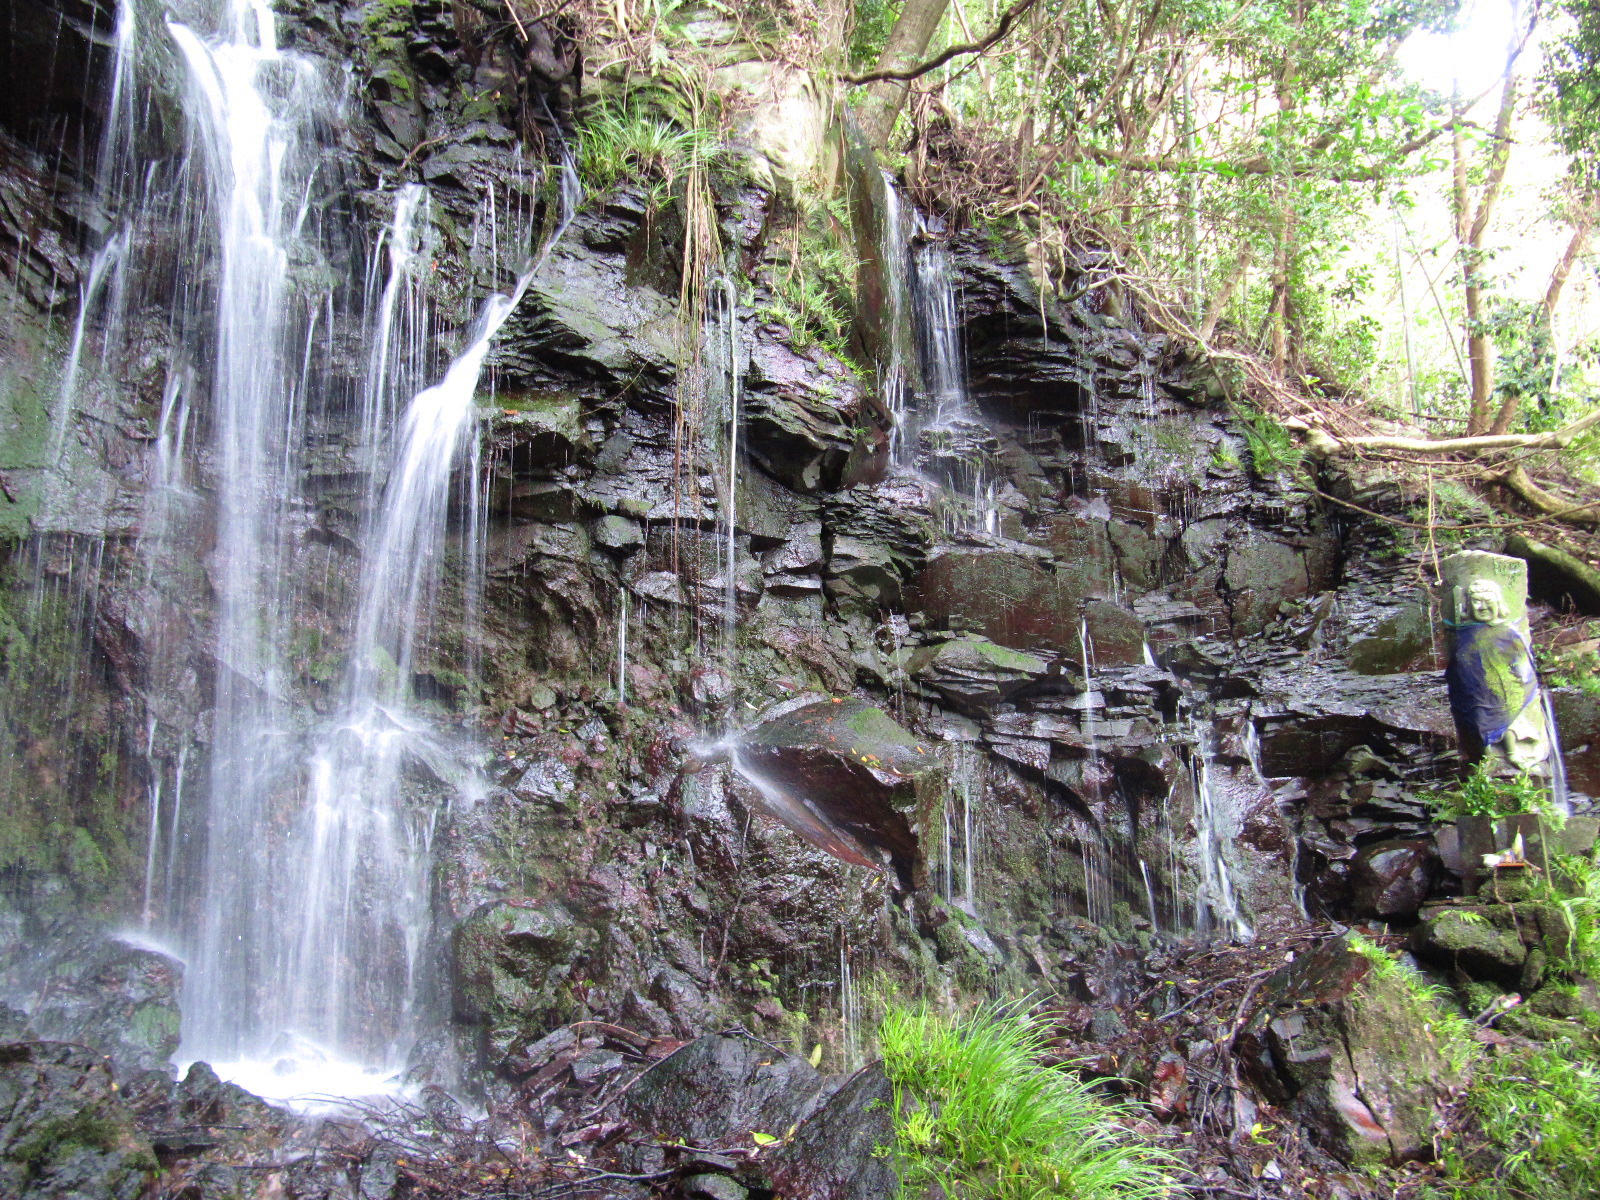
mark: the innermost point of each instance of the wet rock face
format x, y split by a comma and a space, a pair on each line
1143, 607
99, 991
512, 962
1392, 879
64, 1131
718, 1089
1350, 1047
852, 766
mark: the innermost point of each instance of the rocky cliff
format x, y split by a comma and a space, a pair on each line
791, 678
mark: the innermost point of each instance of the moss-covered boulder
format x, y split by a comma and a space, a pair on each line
105, 993
513, 964
974, 674
1358, 1052
1492, 941
65, 1133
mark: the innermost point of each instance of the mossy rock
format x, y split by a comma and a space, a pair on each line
1364, 1052
1470, 939
974, 673
65, 1133
512, 964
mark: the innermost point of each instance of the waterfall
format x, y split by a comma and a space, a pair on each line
959, 872
622, 644
941, 423
1149, 896
1217, 897
896, 362
851, 1038
251, 109
360, 917
404, 329
153, 792
944, 367
1091, 700
105, 265
288, 861
725, 356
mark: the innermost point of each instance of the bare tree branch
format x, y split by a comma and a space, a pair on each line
1516, 480
1002, 27
1321, 441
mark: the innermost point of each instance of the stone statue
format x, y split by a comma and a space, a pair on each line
1494, 689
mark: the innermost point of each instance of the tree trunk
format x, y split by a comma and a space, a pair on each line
908, 43
1583, 224
1472, 222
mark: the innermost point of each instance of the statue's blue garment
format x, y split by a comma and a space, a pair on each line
1477, 703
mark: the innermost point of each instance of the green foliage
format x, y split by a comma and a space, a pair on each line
976, 1113
642, 138
1484, 794
1573, 666
870, 30
1272, 447
813, 280
1579, 877
1535, 1120
1571, 85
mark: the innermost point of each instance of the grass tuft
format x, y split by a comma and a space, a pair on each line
1535, 1124
979, 1115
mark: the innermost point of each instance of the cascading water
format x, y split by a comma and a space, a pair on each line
251, 110
103, 268
725, 360
1217, 898
361, 915
923, 376
297, 888
944, 368
622, 644
946, 420
898, 356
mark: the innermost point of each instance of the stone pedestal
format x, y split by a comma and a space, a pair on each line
1494, 690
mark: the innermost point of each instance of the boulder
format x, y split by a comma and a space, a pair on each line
838, 1153
1492, 941
511, 961
718, 1089
65, 1133
876, 539
974, 674
801, 416
1353, 1047
1393, 878
100, 991
844, 774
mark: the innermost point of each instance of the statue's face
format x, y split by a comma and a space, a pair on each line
1485, 601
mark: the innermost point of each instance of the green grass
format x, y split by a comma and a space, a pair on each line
813, 280
1579, 878
1431, 1008
1535, 1123
1579, 668
978, 1114
635, 141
